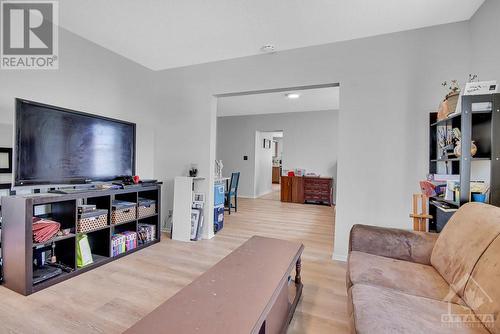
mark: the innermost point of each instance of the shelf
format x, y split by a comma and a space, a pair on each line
59, 238
63, 208
51, 281
98, 260
445, 160
127, 222
440, 199
443, 121
481, 112
148, 216
139, 247
480, 159
146, 244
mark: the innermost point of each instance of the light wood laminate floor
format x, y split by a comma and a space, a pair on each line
111, 298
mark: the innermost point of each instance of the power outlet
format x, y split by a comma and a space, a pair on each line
170, 213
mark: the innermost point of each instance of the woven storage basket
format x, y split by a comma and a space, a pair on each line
145, 211
123, 215
91, 223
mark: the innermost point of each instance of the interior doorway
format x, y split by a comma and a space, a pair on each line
308, 118
268, 164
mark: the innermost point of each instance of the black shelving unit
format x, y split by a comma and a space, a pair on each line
482, 127
17, 235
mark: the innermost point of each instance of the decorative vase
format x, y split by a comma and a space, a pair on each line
473, 149
458, 149
443, 110
448, 106
452, 99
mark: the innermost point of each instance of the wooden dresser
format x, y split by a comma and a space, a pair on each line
292, 189
298, 189
318, 189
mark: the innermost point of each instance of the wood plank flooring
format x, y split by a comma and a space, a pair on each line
111, 298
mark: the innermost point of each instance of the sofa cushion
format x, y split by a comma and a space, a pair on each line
408, 277
482, 292
383, 311
462, 242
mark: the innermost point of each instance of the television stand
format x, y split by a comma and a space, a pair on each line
19, 249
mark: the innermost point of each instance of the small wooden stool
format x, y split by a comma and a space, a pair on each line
420, 219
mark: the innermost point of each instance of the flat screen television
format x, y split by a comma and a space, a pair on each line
59, 146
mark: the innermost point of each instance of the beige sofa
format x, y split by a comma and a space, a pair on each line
413, 282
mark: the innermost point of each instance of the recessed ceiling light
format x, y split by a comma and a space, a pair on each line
292, 95
268, 48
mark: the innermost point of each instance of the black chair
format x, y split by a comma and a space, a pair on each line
232, 192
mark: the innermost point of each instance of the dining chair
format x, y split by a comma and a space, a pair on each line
232, 192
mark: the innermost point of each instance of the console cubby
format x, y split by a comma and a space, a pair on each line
153, 220
101, 202
149, 195
63, 212
99, 242
18, 247
64, 251
128, 197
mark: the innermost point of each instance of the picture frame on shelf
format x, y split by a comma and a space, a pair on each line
198, 198
5, 160
195, 221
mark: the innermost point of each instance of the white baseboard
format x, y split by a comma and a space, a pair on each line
243, 196
340, 257
264, 193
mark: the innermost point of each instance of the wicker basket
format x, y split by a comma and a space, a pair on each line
123, 215
144, 211
91, 223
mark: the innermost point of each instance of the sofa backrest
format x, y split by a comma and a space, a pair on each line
466, 236
482, 292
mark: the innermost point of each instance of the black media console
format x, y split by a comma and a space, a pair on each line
17, 236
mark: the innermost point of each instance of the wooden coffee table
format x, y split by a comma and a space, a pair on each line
248, 291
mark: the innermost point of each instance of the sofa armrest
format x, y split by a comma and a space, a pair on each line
394, 243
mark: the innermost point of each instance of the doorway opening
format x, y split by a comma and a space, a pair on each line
268, 164
265, 135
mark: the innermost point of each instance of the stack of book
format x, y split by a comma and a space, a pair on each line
118, 246
130, 240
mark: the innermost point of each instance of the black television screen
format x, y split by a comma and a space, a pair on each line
60, 146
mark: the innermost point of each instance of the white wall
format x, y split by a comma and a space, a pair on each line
388, 84
309, 142
485, 49
263, 164
94, 80
5, 141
